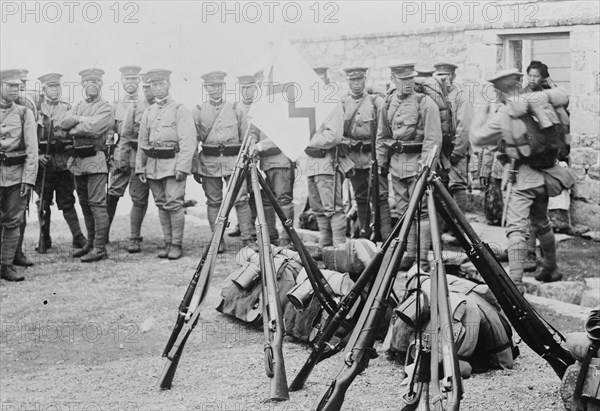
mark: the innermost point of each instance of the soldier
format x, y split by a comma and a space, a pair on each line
24, 100
122, 169
58, 178
279, 171
360, 127
409, 127
18, 168
462, 113
88, 123
326, 166
221, 127
507, 120
167, 142
424, 72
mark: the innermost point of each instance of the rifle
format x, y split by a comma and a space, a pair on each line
508, 179
359, 349
373, 191
273, 325
189, 313
47, 132
538, 334
333, 322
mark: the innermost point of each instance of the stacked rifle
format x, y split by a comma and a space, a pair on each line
371, 292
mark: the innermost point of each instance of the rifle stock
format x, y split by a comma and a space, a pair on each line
273, 324
540, 336
48, 127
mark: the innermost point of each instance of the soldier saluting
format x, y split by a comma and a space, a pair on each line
18, 168
409, 127
221, 127
58, 178
88, 124
166, 141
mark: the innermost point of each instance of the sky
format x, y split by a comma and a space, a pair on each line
192, 38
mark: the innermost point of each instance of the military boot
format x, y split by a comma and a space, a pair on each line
530, 263
410, 256
516, 255
385, 219
325, 234
88, 246
244, 216
8, 273
20, 258
177, 224
165, 222
549, 271
136, 217
96, 254
164, 250
70, 216
338, 228
8, 247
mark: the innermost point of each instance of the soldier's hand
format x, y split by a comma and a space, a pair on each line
180, 175
43, 160
70, 122
142, 177
26, 189
198, 178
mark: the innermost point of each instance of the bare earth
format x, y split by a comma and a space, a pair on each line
76, 336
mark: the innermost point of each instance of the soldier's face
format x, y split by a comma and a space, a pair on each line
130, 85
405, 85
214, 90
160, 88
248, 92
52, 91
10, 92
357, 85
148, 94
92, 87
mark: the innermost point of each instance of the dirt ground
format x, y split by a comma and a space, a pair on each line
77, 336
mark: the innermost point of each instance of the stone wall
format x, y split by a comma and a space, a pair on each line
478, 51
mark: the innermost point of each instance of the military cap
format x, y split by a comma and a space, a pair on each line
216, 76
445, 68
321, 71
50, 78
12, 76
158, 74
91, 74
130, 71
355, 72
403, 70
424, 72
246, 79
144, 79
504, 74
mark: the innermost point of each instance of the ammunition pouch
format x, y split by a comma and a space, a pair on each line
301, 295
43, 147
361, 147
342, 151
13, 158
270, 152
246, 277
221, 150
406, 148
161, 152
84, 151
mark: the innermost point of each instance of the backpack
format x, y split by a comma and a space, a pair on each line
546, 144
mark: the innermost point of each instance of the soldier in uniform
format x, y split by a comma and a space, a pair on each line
25, 101
462, 113
121, 170
167, 142
221, 127
326, 166
88, 123
360, 126
58, 178
409, 127
18, 168
424, 72
528, 199
279, 171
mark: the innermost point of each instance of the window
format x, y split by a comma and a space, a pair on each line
551, 49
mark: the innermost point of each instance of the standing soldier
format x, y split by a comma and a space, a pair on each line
138, 191
360, 128
326, 166
221, 127
462, 116
167, 141
510, 120
278, 169
122, 169
409, 127
57, 178
88, 123
18, 168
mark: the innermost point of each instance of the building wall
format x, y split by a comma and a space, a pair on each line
479, 50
